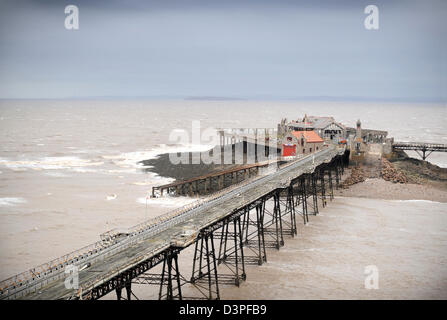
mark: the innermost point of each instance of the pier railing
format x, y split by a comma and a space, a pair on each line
420, 145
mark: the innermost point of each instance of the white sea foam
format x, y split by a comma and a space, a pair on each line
416, 200
143, 183
57, 174
49, 163
121, 171
83, 170
10, 202
132, 159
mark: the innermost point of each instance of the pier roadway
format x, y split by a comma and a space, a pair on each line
138, 251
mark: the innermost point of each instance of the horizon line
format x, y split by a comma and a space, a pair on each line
242, 98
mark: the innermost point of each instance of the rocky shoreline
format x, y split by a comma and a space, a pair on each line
162, 165
390, 173
399, 178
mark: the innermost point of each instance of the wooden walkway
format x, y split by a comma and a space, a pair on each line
211, 182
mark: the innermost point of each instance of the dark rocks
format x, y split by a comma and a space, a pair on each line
389, 173
357, 175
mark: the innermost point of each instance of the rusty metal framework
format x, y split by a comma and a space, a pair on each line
213, 181
424, 147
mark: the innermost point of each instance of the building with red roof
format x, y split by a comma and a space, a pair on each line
301, 142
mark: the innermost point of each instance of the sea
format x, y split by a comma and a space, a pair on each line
70, 170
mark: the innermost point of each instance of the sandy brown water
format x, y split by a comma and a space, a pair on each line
328, 258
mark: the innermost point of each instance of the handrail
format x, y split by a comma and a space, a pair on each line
419, 144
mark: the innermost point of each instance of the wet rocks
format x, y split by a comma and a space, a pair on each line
389, 173
357, 175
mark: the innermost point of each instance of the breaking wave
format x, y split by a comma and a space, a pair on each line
133, 159
49, 163
10, 202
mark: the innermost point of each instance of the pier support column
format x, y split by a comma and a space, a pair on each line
311, 191
291, 209
231, 252
331, 187
277, 218
314, 193
262, 255
118, 293
124, 280
322, 187
303, 194
273, 223
253, 230
170, 278
337, 177
129, 290
204, 269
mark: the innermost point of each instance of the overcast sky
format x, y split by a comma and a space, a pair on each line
252, 49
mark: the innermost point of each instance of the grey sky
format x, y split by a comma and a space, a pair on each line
274, 49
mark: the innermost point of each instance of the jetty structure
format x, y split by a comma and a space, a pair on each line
424, 149
243, 212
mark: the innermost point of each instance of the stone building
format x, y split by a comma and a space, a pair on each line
326, 127
301, 143
358, 145
369, 135
282, 128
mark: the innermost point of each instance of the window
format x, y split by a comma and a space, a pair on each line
310, 149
